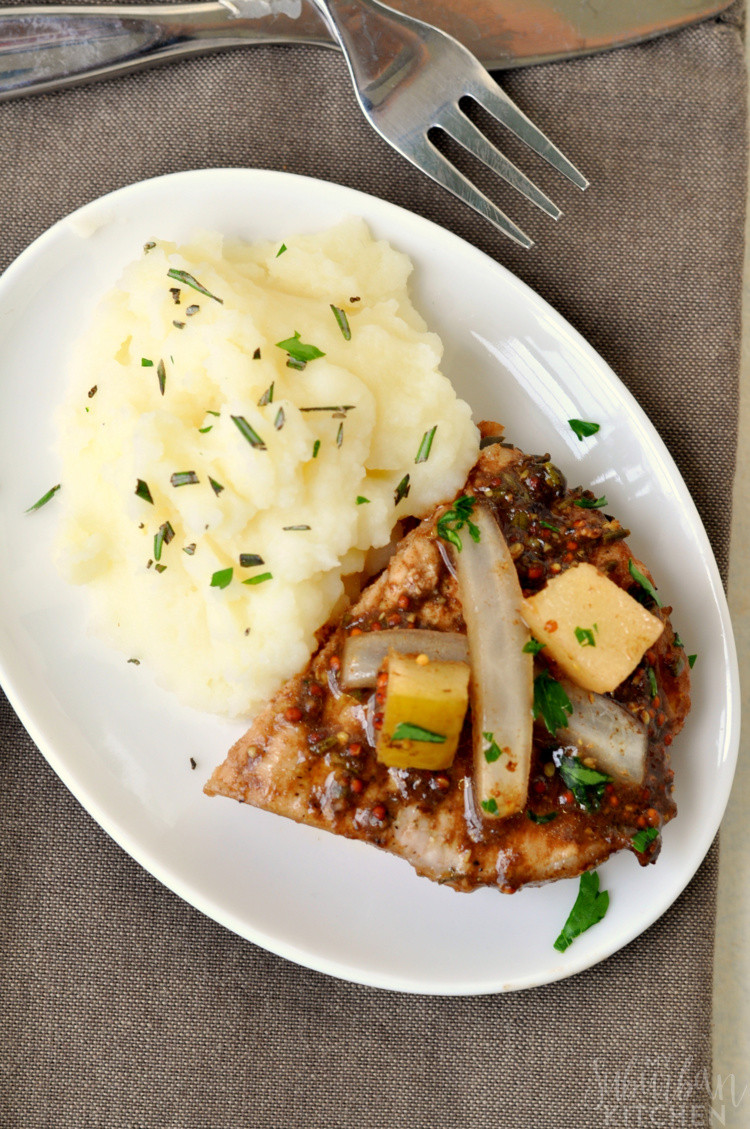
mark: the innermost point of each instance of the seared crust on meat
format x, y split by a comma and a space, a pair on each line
309, 755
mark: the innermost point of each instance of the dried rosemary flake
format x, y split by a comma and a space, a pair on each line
402, 490
250, 560
143, 491
267, 397
280, 420
215, 486
425, 446
249, 433
335, 408
161, 373
44, 499
259, 578
184, 478
342, 322
162, 537
188, 280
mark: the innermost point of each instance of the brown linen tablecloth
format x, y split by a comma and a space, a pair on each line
124, 1007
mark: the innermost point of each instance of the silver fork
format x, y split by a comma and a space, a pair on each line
409, 78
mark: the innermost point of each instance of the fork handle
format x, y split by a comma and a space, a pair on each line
43, 48
364, 29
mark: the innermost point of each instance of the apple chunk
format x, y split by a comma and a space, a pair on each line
592, 629
425, 706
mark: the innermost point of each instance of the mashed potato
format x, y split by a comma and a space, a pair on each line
242, 424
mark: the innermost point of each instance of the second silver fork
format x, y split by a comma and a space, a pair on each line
410, 77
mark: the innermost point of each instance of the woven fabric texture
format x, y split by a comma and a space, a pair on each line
122, 1005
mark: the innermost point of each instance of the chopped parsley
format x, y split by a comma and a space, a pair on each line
653, 687
249, 433
316, 448
691, 660
644, 582
533, 647
425, 446
299, 353
362, 501
281, 250
402, 490
586, 784
405, 731
551, 703
222, 578
44, 499
591, 503
585, 636
541, 818
641, 839
589, 907
142, 490
146, 363
583, 428
493, 752
342, 322
490, 806
188, 280
546, 525
215, 486
453, 521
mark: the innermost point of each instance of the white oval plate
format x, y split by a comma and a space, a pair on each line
123, 747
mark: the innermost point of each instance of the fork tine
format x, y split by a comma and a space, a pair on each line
422, 153
462, 130
496, 102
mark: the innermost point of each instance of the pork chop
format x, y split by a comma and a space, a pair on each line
310, 753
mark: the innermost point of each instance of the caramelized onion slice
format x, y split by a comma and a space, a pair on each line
604, 730
501, 673
364, 654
